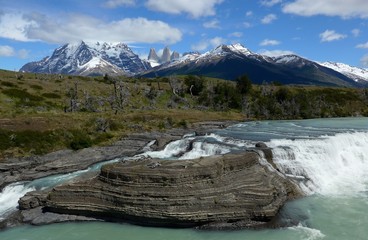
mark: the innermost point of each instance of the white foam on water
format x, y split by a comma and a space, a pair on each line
9, 197
307, 233
172, 149
330, 165
204, 149
190, 147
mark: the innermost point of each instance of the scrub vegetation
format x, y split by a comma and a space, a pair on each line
41, 113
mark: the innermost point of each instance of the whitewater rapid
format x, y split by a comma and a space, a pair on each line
328, 165
323, 161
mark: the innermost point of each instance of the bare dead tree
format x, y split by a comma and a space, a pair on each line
174, 85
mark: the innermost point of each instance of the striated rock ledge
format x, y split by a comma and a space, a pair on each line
221, 192
66, 161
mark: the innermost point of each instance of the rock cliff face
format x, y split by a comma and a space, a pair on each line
228, 191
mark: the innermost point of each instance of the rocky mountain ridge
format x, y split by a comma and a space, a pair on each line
356, 73
90, 59
224, 61
166, 56
231, 61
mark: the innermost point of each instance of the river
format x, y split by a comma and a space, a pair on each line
327, 157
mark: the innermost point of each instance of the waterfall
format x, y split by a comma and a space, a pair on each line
328, 165
9, 197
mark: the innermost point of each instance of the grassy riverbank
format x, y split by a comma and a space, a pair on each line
43, 113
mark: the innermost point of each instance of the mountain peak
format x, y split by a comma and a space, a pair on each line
239, 48
232, 48
152, 56
166, 56
86, 58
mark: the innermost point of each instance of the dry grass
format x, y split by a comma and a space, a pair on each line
35, 104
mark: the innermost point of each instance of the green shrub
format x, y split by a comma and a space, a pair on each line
80, 140
36, 87
8, 84
21, 95
51, 95
194, 84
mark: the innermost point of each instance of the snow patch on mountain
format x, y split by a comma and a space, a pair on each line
358, 74
90, 58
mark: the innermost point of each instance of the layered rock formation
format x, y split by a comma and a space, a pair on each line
228, 191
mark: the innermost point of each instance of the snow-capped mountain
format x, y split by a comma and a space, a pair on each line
90, 59
358, 74
231, 61
224, 61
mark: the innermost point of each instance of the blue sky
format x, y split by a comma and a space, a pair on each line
325, 30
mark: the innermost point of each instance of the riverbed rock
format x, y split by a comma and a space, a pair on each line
66, 161
213, 192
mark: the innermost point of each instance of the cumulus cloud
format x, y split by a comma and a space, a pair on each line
364, 60
217, 41
269, 42
76, 27
6, 51
236, 34
247, 24
275, 53
119, 3
249, 13
362, 45
206, 43
331, 35
212, 24
195, 9
269, 19
270, 3
355, 32
15, 25
341, 8
23, 53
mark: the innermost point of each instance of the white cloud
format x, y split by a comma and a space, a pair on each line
212, 24
364, 60
217, 41
6, 51
363, 45
275, 53
270, 3
341, 8
269, 42
206, 43
355, 32
249, 14
201, 46
118, 3
247, 24
331, 35
74, 27
15, 25
23, 53
269, 19
236, 34
194, 8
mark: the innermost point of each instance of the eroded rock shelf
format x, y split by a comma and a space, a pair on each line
225, 191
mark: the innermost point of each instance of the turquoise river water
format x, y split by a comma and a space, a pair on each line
327, 157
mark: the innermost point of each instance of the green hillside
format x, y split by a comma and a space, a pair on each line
40, 113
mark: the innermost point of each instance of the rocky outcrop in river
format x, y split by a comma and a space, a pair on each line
228, 191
